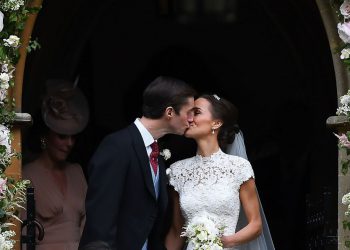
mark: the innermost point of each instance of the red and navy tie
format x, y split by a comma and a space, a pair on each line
154, 157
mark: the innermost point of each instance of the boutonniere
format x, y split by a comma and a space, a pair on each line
166, 154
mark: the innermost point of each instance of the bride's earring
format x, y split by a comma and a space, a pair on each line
212, 130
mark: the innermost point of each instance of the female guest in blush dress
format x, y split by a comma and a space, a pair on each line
60, 186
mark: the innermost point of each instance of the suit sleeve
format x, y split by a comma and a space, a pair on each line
107, 171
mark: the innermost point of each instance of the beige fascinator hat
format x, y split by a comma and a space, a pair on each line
64, 109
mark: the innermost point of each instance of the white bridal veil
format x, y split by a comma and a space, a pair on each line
264, 241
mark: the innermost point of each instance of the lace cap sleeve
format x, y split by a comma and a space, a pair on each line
173, 178
245, 171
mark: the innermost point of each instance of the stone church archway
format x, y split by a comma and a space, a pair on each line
289, 163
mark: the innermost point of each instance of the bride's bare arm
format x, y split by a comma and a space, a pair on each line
173, 240
250, 203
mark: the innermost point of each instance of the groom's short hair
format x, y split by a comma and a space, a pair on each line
165, 92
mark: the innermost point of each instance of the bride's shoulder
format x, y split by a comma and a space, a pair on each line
182, 163
237, 161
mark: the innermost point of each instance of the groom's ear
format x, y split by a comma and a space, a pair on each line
169, 112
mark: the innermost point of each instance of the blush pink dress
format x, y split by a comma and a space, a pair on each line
62, 215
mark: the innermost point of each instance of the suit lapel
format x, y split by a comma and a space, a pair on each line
142, 156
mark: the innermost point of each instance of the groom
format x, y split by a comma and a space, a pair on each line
127, 197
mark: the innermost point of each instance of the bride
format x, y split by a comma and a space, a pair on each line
216, 183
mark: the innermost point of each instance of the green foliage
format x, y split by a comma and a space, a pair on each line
345, 164
33, 45
346, 225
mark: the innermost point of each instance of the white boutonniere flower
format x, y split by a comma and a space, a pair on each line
166, 154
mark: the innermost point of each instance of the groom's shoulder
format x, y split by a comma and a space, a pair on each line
121, 136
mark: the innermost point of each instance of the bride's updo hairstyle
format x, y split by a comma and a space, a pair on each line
225, 111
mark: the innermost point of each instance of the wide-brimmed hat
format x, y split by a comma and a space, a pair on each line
64, 109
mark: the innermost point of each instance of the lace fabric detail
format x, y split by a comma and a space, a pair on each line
211, 184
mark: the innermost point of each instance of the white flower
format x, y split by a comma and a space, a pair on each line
1, 21
345, 99
166, 154
7, 5
6, 242
5, 67
344, 32
343, 110
5, 138
345, 9
12, 41
202, 232
202, 236
345, 53
4, 80
346, 199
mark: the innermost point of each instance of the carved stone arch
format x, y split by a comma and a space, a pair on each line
329, 18
339, 124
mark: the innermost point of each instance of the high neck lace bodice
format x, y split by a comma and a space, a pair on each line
211, 157
211, 184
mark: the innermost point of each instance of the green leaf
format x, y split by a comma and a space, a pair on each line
347, 243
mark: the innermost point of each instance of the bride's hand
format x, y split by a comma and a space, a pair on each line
227, 241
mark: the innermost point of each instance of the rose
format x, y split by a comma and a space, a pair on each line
166, 154
12, 41
1, 21
345, 9
344, 32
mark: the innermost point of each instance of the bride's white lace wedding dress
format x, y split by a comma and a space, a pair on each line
211, 184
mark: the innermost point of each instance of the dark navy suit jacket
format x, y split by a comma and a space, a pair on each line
121, 205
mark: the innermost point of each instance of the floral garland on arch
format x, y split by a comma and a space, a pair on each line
342, 9
13, 15
344, 143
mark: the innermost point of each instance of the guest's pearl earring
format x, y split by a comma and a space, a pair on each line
213, 131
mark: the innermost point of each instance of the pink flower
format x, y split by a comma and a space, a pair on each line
344, 32
343, 140
345, 9
2, 186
